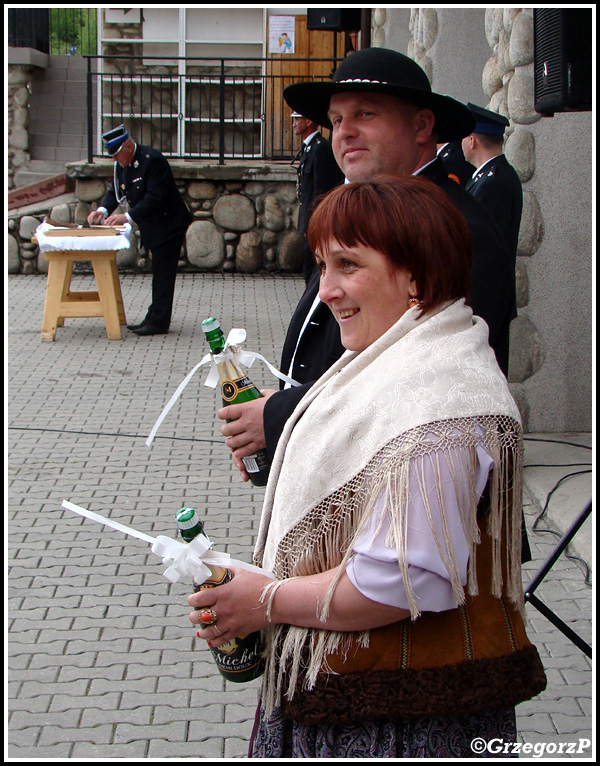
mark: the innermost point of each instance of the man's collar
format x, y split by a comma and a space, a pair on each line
310, 138
481, 167
416, 172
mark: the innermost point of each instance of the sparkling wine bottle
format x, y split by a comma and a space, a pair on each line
236, 387
239, 660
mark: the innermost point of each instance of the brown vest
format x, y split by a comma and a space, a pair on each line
475, 658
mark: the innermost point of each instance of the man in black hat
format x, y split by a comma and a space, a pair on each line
144, 183
385, 119
495, 182
318, 172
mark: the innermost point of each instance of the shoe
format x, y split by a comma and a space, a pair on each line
148, 329
135, 326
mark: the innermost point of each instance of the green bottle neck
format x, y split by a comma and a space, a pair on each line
215, 337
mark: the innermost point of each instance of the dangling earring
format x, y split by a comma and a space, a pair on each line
412, 301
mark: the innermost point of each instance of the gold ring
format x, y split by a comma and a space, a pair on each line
208, 617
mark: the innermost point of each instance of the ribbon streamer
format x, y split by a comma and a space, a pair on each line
233, 350
191, 560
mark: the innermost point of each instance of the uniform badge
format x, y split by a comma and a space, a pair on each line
136, 164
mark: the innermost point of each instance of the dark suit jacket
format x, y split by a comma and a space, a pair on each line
318, 172
318, 348
498, 188
155, 203
492, 274
455, 163
492, 297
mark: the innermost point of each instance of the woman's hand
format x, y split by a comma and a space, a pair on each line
297, 601
236, 605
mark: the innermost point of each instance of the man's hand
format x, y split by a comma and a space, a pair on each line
245, 434
117, 219
95, 217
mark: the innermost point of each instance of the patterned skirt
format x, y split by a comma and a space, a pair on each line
460, 737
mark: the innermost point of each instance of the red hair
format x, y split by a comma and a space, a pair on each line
408, 219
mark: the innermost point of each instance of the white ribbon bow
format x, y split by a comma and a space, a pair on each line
192, 560
232, 349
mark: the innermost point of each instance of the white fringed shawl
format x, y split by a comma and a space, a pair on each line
353, 436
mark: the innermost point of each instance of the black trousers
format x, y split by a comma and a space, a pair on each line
165, 258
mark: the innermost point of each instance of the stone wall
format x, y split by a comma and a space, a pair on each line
245, 219
486, 56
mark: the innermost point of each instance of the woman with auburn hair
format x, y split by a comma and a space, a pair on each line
391, 520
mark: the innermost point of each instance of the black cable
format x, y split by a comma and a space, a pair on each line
556, 441
571, 556
104, 433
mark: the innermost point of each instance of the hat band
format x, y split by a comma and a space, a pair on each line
359, 79
488, 129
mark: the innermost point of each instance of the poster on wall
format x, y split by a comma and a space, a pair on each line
282, 34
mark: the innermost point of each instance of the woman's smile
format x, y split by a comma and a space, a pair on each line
365, 291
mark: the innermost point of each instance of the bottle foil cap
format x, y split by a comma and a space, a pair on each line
208, 325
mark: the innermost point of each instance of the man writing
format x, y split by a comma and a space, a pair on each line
143, 182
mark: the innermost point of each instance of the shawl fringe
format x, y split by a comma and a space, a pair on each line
324, 538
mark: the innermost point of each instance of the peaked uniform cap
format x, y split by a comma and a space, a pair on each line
380, 70
114, 139
488, 122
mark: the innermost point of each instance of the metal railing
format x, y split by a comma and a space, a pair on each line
197, 108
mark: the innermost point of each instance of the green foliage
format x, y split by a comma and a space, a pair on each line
73, 31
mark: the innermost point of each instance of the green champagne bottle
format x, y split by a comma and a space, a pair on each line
239, 660
236, 387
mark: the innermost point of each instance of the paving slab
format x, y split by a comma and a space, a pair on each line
102, 661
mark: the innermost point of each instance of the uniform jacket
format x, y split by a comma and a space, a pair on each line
318, 172
498, 188
155, 203
455, 163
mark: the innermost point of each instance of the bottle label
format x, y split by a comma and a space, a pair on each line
231, 388
240, 655
257, 462
240, 659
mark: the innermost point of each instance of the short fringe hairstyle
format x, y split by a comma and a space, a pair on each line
408, 219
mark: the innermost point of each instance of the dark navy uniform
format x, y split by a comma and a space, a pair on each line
318, 172
496, 184
458, 168
498, 187
158, 209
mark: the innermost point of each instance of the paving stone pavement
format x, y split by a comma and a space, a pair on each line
102, 661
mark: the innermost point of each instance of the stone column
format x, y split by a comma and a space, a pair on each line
19, 79
508, 83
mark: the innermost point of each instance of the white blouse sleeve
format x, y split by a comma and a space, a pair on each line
373, 569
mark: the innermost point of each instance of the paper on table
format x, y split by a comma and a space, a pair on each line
68, 242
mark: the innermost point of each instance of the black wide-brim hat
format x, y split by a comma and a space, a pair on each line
380, 70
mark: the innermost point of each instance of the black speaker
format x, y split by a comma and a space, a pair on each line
562, 59
335, 19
